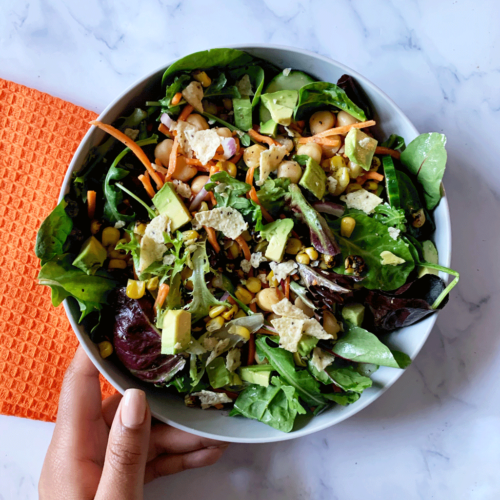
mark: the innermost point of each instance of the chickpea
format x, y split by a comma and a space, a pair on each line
321, 121
198, 183
223, 132
285, 141
355, 170
329, 151
290, 169
251, 156
304, 307
330, 324
197, 121
272, 316
266, 298
344, 118
312, 150
162, 151
183, 172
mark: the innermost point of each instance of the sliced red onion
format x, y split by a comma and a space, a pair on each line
167, 121
224, 297
328, 207
198, 199
229, 146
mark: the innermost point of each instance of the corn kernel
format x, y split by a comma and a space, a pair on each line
244, 295
240, 314
203, 78
117, 264
140, 228
153, 283
312, 252
246, 236
95, 226
303, 258
298, 359
110, 236
347, 225
117, 254
240, 331
135, 289
343, 179
105, 349
353, 187
216, 311
293, 246
203, 207
375, 164
234, 250
273, 282
190, 235
337, 162
253, 285
370, 186
228, 315
215, 324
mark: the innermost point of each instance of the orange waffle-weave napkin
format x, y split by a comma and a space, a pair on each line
38, 136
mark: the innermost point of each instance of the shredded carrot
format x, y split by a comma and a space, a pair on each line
262, 138
212, 238
176, 99
165, 130
369, 175
188, 109
172, 161
238, 146
321, 141
212, 199
197, 163
252, 307
91, 202
251, 350
345, 128
147, 184
255, 198
137, 150
301, 123
219, 406
287, 287
379, 150
249, 177
237, 157
244, 247
218, 157
231, 300
279, 293
161, 297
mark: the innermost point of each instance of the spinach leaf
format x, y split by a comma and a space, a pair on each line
282, 361
323, 94
256, 75
355, 93
276, 405
179, 83
114, 196
362, 346
66, 280
394, 142
425, 157
349, 379
272, 193
242, 113
369, 239
244, 138
207, 59
53, 233
343, 399
392, 217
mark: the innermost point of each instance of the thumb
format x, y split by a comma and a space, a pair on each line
127, 452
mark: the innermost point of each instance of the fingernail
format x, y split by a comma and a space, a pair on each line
223, 446
133, 408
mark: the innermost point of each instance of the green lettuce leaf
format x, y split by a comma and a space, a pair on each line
218, 374
272, 193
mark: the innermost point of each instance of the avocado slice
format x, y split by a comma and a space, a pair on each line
269, 128
91, 257
281, 105
168, 202
306, 345
277, 233
360, 148
314, 179
430, 255
176, 333
256, 374
354, 314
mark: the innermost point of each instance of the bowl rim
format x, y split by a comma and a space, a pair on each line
350, 410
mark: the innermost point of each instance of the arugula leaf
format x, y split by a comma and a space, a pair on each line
425, 157
323, 94
394, 141
392, 217
202, 297
369, 239
276, 405
66, 280
272, 193
343, 399
282, 362
362, 346
179, 83
133, 247
53, 232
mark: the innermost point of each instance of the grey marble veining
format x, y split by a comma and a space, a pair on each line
436, 433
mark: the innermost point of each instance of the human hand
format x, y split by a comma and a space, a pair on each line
109, 449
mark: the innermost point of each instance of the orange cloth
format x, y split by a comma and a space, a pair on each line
38, 136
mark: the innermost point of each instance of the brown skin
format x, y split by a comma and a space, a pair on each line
94, 455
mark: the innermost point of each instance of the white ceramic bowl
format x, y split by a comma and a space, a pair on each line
214, 424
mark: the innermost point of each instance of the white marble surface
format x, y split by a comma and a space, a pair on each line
436, 433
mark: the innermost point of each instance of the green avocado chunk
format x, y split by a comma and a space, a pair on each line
360, 148
168, 203
277, 233
281, 105
269, 128
176, 333
430, 255
354, 314
306, 345
91, 257
314, 179
256, 374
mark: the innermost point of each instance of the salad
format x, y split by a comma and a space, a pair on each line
247, 239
